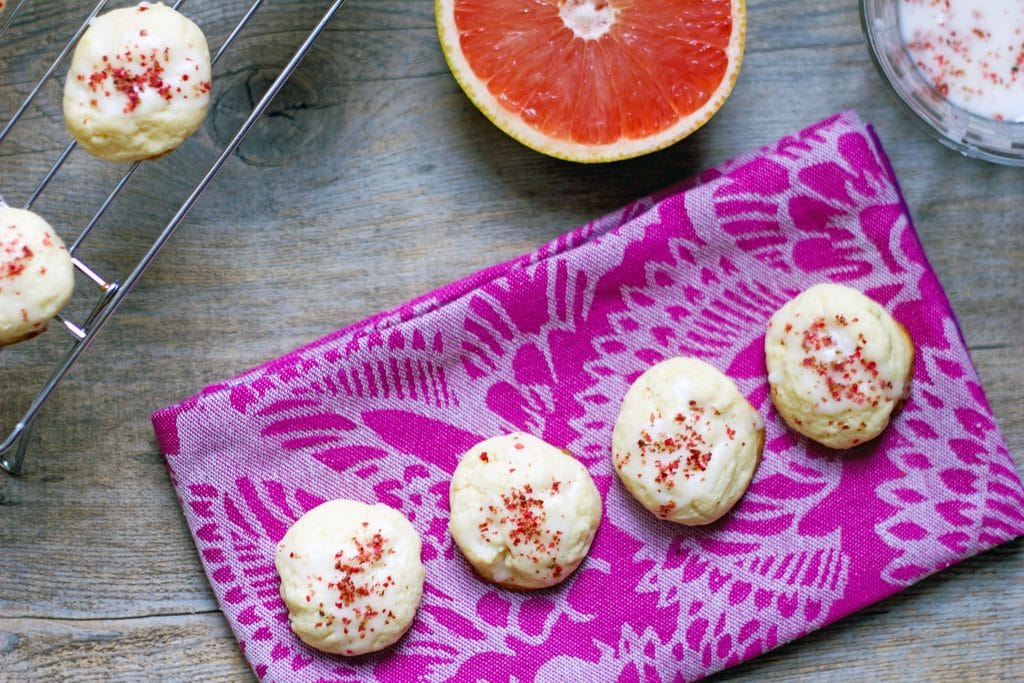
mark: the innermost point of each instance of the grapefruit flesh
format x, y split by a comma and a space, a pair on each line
594, 80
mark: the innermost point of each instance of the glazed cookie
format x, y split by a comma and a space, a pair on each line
522, 511
351, 576
838, 365
686, 442
139, 83
36, 275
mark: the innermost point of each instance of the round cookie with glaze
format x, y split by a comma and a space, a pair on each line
686, 442
351, 576
138, 84
523, 512
838, 365
37, 277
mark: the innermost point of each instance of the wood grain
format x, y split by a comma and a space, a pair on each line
373, 180
173, 647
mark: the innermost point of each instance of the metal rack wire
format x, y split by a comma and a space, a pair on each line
113, 292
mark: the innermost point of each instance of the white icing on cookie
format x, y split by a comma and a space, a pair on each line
138, 84
36, 275
351, 576
838, 364
524, 513
686, 442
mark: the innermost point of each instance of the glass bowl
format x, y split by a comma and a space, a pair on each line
976, 136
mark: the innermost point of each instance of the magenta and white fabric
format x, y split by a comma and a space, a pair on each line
548, 344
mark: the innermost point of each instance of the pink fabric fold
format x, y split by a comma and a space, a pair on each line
548, 344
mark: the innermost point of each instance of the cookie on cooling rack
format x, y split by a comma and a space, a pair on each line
523, 512
36, 275
351, 576
686, 442
838, 365
139, 83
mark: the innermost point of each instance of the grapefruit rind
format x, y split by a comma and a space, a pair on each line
623, 148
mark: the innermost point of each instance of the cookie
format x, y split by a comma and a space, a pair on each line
351, 576
838, 365
686, 442
523, 512
37, 277
138, 84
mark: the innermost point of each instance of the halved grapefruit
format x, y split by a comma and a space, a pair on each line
594, 80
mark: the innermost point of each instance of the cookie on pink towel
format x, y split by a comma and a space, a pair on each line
838, 365
351, 576
686, 442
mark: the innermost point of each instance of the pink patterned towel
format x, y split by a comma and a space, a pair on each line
548, 344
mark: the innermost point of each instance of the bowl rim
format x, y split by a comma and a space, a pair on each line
970, 123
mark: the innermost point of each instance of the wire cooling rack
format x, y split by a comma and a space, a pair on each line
112, 292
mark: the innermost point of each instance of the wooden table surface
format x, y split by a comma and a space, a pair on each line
373, 180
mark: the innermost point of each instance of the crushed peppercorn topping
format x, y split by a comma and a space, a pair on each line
525, 514
132, 73
683, 450
14, 256
844, 376
350, 587
522, 518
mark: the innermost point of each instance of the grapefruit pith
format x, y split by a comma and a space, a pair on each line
594, 80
